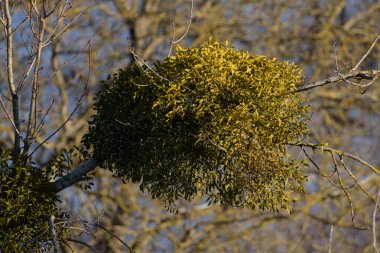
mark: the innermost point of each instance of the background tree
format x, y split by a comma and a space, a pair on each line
326, 38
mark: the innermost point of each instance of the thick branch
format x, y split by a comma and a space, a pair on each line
74, 176
359, 75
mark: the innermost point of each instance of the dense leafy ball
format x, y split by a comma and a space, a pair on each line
26, 199
211, 120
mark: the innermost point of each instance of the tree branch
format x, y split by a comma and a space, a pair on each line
12, 87
83, 243
366, 74
35, 88
338, 152
53, 234
75, 176
367, 53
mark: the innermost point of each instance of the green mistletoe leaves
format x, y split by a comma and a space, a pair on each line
210, 121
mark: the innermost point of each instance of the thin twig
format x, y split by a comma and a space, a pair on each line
353, 73
344, 189
113, 235
9, 117
359, 84
79, 102
61, 15
143, 63
173, 33
188, 25
336, 169
356, 180
75, 53
27, 71
367, 53
41, 124
172, 41
19, 25
83, 243
96, 224
47, 42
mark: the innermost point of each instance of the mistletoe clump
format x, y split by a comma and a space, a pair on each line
211, 120
26, 200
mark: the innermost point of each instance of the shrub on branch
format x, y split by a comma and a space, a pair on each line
26, 198
211, 120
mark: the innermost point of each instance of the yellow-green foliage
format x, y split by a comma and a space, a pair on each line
26, 199
210, 120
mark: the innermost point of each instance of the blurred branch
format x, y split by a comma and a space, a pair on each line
375, 210
115, 236
83, 243
87, 227
331, 238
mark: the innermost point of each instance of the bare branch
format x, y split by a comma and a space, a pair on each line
113, 235
79, 102
9, 117
46, 12
83, 243
53, 233
35, 87
26, 72
367, 53
344, 189
12, 87
58, 21
50, 39
35, 8
188, 25
87, 225
41, 124
371, 75
172, 41
20, 24
356, 180
338, 152
366, 74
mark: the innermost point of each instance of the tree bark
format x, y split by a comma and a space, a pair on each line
75, 176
